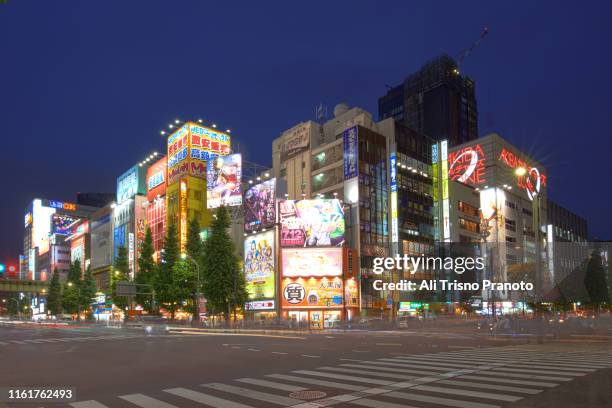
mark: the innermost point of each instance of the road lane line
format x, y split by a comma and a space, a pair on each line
252, 349
471, 384
87, 404
205, 398
507, 381
257, 395
440, 401
309, 356
327, 384
368, 373
146, 401
271, 384
343, 377
365, 402
468, 393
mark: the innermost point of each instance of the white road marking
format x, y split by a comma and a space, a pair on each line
258, 395
343, 377
328, 384
87, 404
272, 384
146, 401
205, 398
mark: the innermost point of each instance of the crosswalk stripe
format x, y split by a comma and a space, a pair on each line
507, 381
368, 373
145, 401
468, 393
440, 401
87, 404
522, 370
328, 384
425, 366
491, 386
3, 343
570, 365
343, 377
383, 368
205, 398
365, 402
407, 370
433, 363
271, 384
549, 367
525, 375
17, 342
258, 395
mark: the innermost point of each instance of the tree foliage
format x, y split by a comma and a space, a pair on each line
221, 268
595, 279
146, 271
164, 283
88, 292
121, 272
54, 298
71, 300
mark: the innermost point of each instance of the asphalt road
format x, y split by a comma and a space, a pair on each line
127, 368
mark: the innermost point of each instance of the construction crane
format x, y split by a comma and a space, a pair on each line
463, 54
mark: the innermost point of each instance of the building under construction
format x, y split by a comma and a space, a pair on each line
436, 100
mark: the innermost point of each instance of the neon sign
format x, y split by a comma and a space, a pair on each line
467, 165
532, 181
60, 205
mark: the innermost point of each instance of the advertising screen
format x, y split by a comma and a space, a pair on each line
223, 176
312, 262
62, 223
259, 206
259, 265
156, 179
41, 226
101, 242
311, 223
129, 184
312, 292
351, 158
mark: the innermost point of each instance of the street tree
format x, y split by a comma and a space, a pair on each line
71, 301
595, 279
192, 273
147, 269
220, 266
164, 283
54, 298
121, 272
88, 292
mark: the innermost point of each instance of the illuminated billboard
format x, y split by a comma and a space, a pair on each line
223, 175
311, 223
351, 157
191, 146
260, 206
308, 262
312, 293
130, 183
156, 179
259, 265
62, 224
41, 226
467, 165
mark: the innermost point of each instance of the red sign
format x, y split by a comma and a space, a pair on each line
467, 165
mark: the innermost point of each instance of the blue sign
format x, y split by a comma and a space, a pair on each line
130, 183
351, 157
393, 171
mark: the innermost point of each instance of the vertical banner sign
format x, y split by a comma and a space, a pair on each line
183, 214
131, 253
445, 202
351, 159
393, 177
435, 168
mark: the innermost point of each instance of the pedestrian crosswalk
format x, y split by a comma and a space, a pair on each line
471, 378
72, 339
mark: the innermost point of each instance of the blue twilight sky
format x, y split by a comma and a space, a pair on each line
85, 87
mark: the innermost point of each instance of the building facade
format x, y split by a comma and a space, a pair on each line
436, 101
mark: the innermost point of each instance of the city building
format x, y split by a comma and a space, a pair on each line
47, 225
191, 147
156, 217
436, 101
101, 246
95, 199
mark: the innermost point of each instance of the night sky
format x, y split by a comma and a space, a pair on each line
86, 87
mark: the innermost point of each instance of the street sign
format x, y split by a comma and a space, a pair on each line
125, 288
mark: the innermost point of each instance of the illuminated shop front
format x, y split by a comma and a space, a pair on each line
156, 203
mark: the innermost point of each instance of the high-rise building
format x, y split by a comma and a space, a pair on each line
190, 147
95, 199
47, 225
156, 203
436, 101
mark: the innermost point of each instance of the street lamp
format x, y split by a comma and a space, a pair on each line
196, 300
535, 209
